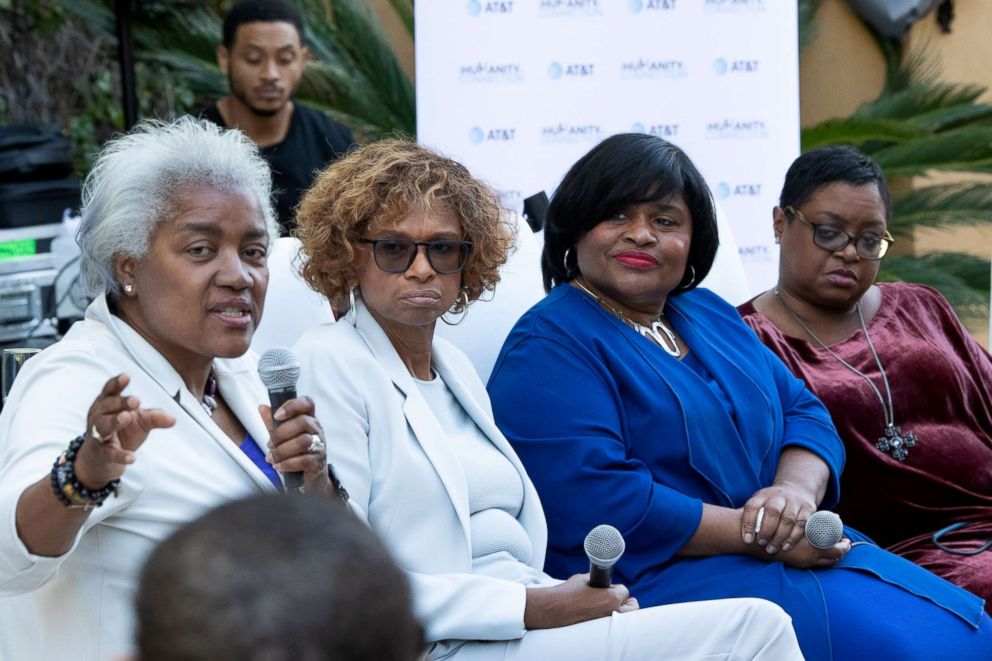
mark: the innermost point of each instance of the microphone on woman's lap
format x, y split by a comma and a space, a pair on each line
603, 546
824, 529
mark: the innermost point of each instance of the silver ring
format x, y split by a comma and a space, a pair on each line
316, 445
96, 435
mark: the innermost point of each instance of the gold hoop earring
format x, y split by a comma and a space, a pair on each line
692, 278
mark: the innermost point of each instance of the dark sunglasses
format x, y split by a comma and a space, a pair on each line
868, 246
397, 255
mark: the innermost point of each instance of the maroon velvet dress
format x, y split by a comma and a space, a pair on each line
941, 382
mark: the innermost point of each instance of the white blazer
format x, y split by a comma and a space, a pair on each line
393, 457
79, 605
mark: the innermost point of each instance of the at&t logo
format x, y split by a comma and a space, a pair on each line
558, 70
725, 190
666, 131
477, 135
637, 6
477, 7
723, 67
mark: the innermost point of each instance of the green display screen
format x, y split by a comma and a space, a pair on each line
14, 249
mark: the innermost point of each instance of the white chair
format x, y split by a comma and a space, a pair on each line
489, 320
291, 307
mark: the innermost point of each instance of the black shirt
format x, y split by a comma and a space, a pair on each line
312, 141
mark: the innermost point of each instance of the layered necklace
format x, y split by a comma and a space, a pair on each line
661, 334
894, 442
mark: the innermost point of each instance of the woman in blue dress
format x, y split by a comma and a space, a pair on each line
638, 400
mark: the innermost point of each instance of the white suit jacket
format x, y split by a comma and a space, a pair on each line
393, 457
78, 606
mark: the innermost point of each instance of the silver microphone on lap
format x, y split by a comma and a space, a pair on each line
603, 545
824, 529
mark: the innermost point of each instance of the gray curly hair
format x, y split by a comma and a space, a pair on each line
134, 184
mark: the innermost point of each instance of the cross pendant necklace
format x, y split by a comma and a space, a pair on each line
893, 442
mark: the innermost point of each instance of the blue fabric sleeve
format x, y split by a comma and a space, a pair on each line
808, 424
571, 439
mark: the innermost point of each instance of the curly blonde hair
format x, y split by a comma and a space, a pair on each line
377, 186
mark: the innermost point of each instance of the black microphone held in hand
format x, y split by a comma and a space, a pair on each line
279, 370
603, 545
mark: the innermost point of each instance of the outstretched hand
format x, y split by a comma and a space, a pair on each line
116, 426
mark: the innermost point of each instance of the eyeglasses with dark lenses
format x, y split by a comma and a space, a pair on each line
868, 246
397, 255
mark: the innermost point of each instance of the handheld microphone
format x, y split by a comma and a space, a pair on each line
279, 370
824, 529
603, 545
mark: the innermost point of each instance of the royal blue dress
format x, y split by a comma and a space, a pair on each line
614, 430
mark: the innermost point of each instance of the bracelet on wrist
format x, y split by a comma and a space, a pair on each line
67, 487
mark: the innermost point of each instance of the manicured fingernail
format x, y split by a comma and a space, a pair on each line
268, 457
786, 546
280, 414
748, 538
771, 548
762, 542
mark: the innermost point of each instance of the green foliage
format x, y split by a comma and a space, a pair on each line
354, 75
807, 22
918, 126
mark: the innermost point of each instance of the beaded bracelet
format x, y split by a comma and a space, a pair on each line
67, 487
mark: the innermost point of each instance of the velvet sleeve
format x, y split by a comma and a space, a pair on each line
562, 413
807, 424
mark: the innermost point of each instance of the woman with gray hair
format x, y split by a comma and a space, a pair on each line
148, 412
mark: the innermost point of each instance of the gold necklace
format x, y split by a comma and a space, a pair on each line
894, 442
658, 331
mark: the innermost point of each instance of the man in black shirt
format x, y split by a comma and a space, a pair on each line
263, 57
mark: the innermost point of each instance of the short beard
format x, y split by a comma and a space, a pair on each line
238, 93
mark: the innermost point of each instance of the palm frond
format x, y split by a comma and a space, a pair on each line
404, 9
963, 279
808, 29
966, 149
857, 131
941, 206
917, 99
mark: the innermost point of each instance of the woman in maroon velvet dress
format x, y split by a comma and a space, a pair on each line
909, 390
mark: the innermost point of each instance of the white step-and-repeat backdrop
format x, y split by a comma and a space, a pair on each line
519, 89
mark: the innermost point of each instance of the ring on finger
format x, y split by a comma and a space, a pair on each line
316, 445
96, 435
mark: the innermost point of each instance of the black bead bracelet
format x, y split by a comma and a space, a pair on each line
67, 487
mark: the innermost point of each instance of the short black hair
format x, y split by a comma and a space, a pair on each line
828, 165
626, 169
276, 577
266, 11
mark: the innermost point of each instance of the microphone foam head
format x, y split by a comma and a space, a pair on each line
278, 368
824, 529
604, 545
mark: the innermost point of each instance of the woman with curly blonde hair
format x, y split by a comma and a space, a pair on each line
409, 235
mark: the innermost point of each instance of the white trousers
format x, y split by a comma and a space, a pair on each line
725, 629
